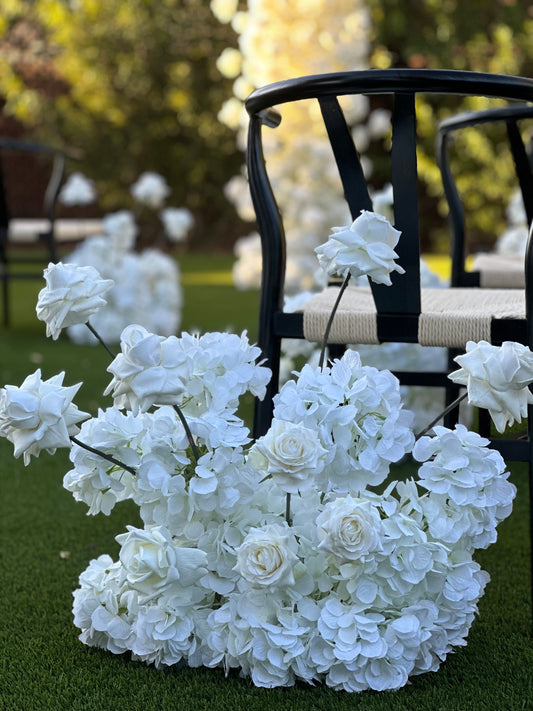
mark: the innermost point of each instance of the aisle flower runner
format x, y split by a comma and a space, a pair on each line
289, 558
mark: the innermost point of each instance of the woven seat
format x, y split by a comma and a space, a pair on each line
449, 317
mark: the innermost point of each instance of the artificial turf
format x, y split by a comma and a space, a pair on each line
47, 540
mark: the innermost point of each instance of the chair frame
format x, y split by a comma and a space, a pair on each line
511, 117
47, 238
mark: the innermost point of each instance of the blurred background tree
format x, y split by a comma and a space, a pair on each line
132, 85
479, 35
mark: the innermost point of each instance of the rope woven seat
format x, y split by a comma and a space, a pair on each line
500, 271
449, 317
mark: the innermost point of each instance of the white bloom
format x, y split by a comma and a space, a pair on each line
96, 481
292, 453
459, 466
120, 226
153, 561
150, 189
39, 415
71, 295
358, 415
497, 378
77, 190
177, 221
267, 556
150, 370
349, 528
365, 248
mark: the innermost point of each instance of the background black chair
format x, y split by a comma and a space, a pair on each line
514, 118
40, 168
31, 236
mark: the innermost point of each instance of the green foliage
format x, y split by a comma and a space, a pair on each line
479, 35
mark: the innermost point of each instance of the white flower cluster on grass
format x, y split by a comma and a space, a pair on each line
147, 288
361, 591
275, 557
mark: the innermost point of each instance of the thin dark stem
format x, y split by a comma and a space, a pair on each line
342, 289
448, 409
188, 432
105, 456
288, 509
99, 337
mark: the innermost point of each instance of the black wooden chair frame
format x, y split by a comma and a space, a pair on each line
511, 116
44, 239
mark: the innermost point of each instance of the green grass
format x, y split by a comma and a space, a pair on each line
44, 666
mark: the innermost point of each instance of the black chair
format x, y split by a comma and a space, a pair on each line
36, 165
397, 313
512, 117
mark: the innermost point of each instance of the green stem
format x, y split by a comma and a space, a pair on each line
105, 456
342, 289
448, 409
99, 337
188, 432
288, 509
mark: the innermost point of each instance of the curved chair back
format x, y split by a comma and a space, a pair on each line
398, 306
511, 116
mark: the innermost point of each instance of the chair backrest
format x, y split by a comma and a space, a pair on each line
402, 85
511, 117
36, 168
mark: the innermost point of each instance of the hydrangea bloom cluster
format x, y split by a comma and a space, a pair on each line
147, 288
361, 590
276, 557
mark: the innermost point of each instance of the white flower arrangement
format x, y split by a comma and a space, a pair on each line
77, 190
291, 558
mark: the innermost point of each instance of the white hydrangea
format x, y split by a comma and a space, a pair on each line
150, 189
77, 190
358, 414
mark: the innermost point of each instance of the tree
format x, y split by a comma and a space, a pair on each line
131, 85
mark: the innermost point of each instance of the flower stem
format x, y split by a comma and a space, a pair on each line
342, 289
288, 509
188, 432
448, 409
105, 456
99, 337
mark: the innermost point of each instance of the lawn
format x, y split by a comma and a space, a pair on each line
47, 540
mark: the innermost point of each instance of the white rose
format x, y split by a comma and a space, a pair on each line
152, 561
349, 528
39, 415
497, 378
150, 189
365, 248
292, 455
177, 221
71, 295
267, 556
150, 370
